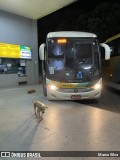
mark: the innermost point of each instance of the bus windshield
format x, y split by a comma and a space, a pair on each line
73, 59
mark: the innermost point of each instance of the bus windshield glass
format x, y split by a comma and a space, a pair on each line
72, 59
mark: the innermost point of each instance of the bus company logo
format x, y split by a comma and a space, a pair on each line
75, 90
67, 86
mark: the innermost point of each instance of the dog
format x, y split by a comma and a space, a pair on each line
39, 107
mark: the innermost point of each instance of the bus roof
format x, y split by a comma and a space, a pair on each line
70, 34
112, 38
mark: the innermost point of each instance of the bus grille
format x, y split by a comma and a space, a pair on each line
72, 90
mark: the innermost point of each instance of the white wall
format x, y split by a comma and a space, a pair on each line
23, 31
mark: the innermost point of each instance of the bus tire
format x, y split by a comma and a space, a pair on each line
44, 91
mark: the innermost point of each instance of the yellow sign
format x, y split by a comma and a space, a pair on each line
9, 50
62, 41
69, 85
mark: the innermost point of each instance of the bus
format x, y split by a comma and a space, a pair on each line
71, 65
111, 68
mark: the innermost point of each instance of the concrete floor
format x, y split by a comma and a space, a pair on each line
66, 125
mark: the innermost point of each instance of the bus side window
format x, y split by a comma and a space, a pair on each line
105, 63
45, 54
112, 51
113, 48
118, 50
102, 50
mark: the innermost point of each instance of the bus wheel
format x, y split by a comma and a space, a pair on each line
95, 101
44, 91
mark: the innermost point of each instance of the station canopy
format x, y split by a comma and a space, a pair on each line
33, 9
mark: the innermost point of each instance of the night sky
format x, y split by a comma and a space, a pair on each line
71, 14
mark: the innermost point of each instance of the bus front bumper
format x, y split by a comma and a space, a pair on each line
56, 95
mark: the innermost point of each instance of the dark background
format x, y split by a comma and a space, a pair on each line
101, 17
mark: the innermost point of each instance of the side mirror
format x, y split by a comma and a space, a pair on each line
41, 51
107, 50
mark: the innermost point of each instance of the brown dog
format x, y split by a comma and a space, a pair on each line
39, 107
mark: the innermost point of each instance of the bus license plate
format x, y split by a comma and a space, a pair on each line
75, 97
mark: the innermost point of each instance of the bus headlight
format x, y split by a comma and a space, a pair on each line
98, 86
52, 87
